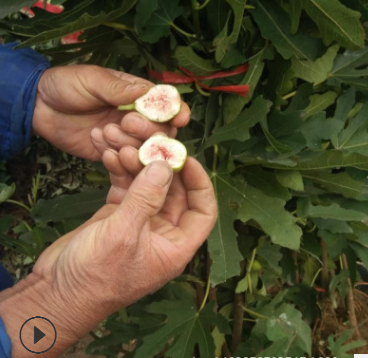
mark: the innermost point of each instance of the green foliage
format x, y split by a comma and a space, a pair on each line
187, 326
158, 25
68, 206
8, 6
289, 164
340, 348
6, 192
336, 22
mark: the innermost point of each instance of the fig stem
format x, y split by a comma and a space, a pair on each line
187, 34
24, 206
126, 107
200, 90
200, 7
208, 287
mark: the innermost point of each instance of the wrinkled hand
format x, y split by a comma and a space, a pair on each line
148, 231
71, 101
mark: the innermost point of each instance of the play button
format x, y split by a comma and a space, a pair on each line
38, 335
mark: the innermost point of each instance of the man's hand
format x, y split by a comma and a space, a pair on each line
144, 236
71, 101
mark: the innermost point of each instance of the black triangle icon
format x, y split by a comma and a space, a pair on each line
37, 335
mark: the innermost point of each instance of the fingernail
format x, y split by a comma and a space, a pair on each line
94, 133
112, 151
136, 87
134, 124
114, 134
159, 173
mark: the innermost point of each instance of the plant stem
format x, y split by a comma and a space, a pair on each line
118, 26
255, 314
26, 225
324, 274
292, 94
252, 258
238, 313
199, 286
187, 34
126, 107
212, 294
249, 269
350, 299
24, 206
200, 7
315, 277
295, 259
250, 288
312, 229
196, 22
226, 351
206, 293
215, 153
200, 90
200, 293
289, 95
249, 320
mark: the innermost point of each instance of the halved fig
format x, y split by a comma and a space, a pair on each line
160, 104
160, 147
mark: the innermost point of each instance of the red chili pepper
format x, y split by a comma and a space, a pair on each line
71, 38
320, 289
189, 77
55, 9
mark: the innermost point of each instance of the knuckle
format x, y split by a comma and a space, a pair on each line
134, 123
108, 128
115, 85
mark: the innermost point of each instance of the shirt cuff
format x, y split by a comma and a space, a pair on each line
20, 72
5, 342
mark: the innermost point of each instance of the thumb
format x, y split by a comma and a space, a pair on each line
113, 90
145, 197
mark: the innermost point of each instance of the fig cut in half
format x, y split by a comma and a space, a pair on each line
160, 147
160, 104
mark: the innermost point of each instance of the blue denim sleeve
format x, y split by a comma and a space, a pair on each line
5, 344
20, 72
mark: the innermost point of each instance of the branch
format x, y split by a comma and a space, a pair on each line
238, 313
350, 300
295, 259
324, 274
212, 291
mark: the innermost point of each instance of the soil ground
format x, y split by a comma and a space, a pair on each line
334, 321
